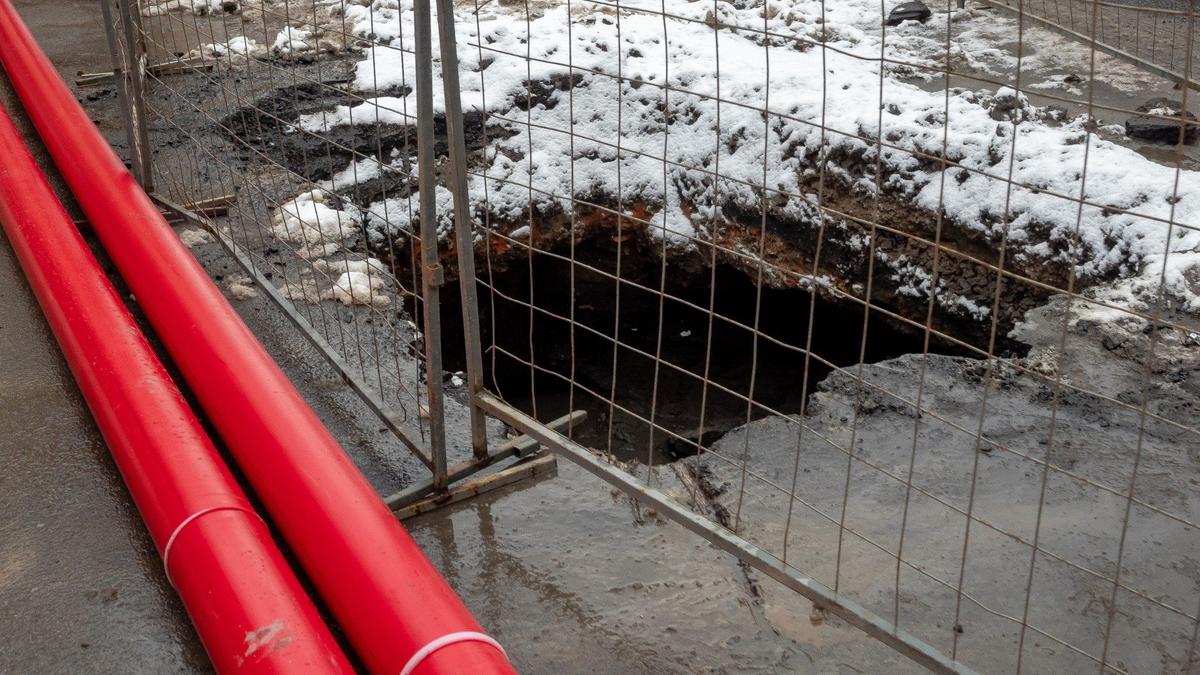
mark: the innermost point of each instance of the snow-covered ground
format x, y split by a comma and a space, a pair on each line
595, 78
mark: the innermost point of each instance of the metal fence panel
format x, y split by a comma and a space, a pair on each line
892, 311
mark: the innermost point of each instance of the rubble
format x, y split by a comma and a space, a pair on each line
915, 10
1155, 126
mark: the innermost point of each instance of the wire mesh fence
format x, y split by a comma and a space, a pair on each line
284, 209
1150, 33
887, 301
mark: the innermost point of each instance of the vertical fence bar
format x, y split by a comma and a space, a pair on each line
463, 231
135, 77
431, 270
120, 66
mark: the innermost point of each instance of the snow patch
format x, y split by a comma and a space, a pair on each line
316, 223
604, 87
195, 237
240, 47
293, 41
242, 288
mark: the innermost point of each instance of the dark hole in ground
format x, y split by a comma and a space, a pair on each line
518, 337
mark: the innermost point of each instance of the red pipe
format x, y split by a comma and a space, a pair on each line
387, 596
248, 607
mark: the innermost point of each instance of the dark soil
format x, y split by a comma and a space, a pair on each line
618, 331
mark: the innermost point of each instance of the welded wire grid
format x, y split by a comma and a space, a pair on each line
594, 264
923, 562
230, 120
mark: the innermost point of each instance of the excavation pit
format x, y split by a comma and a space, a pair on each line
723, 353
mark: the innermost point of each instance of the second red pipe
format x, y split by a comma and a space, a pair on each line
248, 608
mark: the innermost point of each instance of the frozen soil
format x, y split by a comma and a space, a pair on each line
940, 202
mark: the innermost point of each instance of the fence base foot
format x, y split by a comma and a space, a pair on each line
521, 447
541, 464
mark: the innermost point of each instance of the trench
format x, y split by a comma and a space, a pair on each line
548, 355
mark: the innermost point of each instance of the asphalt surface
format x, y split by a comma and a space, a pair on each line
81, 586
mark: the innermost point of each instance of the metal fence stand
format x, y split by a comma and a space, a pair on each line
431, 267
528, 462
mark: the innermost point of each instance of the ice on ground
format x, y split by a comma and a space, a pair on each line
371, 266
360, 288
239, 48
291, 41
242, 288
355, 282
359, 282
316, 223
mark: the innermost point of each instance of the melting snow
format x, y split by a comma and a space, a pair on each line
622, 131
313, 226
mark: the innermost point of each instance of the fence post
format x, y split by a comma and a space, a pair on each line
135, 39
129, 74
116, 50
463, 231
431, 268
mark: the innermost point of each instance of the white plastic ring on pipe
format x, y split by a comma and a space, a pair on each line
448, 639
166, 556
